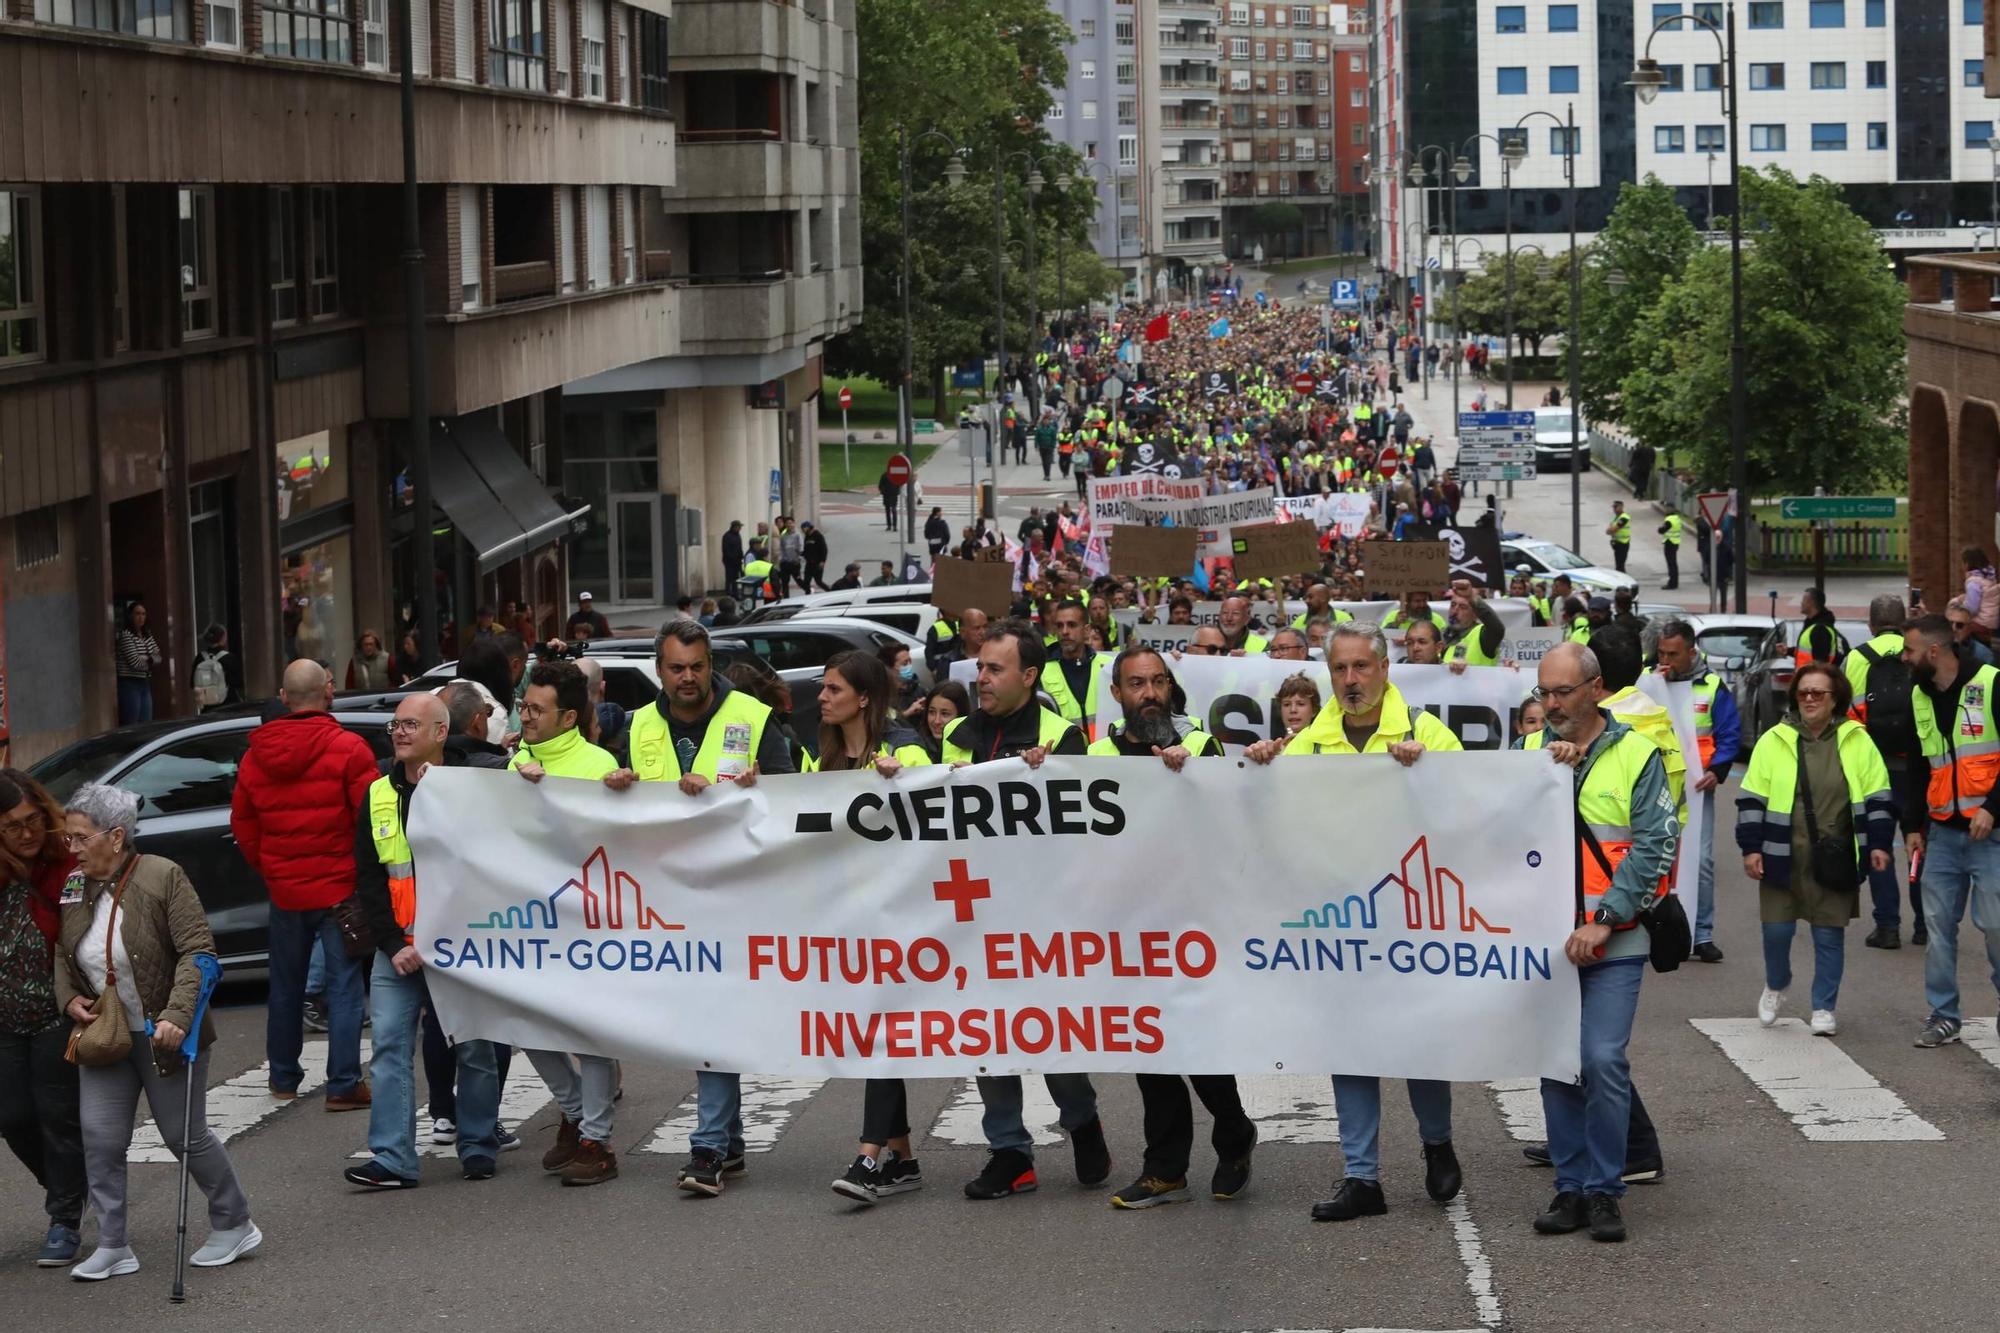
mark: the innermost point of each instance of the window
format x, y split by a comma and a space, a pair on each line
1278, 16
283, 269
1127, 72
1086, 28
1829, 137
1562, 18
20, 267
591, 67
1978, 133
628, 216
1566, 143
1878, 74
1513, 79
1975, 73
1090, 150
1510, 18
1086, 69
1707, 78
1301, 50
309, 30
1089, 109
1708, 11
1285, 84
1302, 16
1239, 12
1767, 138
653, 53
597, 236
224, 23
1121, 32
566, 237
1354, 64
1709, 139
1661, 12
1878, 134
1128, 111
1767, 13
1828, 14
197, 245
1767, 77
196, 774
1239, 48
1357, 97
1828, 74
1975, 13
1055, 111
1875, 12
1259, 48
1562, 78
1669, 139
166, 20
514, 43
323, 246
375, 34
1676, 79
469, 210
1128, 150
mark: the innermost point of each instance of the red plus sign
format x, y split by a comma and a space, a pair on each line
960, 891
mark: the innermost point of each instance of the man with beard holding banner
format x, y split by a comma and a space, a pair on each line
1368, 715
1144, 687
1010, 721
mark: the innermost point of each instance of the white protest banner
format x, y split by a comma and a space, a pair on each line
1233, 698
1210, 613
1677, 696
1210, 515
1347, 512
1109, 497
936, 925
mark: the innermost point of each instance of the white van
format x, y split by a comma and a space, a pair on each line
1552, 440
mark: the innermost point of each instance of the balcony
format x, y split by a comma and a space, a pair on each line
1188, 10
752, 313
523, 282
1189, 87
754, 34
724, 169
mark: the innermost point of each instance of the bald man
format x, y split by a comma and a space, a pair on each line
301, 787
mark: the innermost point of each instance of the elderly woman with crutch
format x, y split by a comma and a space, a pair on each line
129, 974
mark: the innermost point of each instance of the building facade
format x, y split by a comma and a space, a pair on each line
202, 330
1109, 95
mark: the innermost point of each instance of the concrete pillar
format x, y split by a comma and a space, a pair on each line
1975, 459
1933, 562
727, 450
1925, 285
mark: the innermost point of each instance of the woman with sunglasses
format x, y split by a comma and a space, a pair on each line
38, 1107
1816, 794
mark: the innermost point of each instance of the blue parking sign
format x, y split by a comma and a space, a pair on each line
1345, 292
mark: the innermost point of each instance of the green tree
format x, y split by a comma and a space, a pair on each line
1646, 242
1275, 220
1824, 349
1540, 300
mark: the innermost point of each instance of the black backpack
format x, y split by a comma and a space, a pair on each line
1892, 722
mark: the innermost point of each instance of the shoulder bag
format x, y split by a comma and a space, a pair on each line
1832, 858
1669, 935
107, 1038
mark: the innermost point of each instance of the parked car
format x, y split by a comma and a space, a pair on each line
1729, 642
1552, 440
184, 774
1762, 692
819, 605
1546, 559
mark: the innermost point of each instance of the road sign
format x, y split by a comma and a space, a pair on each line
1496, 471
1303, 382
1417, 301
777, 485
846, 397
1215, 298
1495, 453
1714, 506
1495, 420
899, 470
1345, 291
1820, 507
1387, 461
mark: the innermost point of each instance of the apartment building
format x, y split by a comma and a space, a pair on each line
1110, 97
202, 332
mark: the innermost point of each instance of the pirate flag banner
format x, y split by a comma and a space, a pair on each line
1473, 553
1218, 383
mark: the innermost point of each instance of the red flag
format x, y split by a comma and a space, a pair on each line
1158, 329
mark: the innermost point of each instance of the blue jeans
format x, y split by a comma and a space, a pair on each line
1957, 869
1885, 890
1589, 1120
1357, 1101
1704, 899
292, 937
1829, 958
718, 1100
1076, 1102
135, 700
316, 970
395, 1002
584, 1086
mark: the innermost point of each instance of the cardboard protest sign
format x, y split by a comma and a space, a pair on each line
1396, 569
1274, 550
1145, 552
985, 584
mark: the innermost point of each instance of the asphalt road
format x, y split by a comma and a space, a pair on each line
1882, 1220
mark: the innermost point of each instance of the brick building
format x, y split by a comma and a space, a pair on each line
1953, 328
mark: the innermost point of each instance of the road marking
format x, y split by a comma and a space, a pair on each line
1979, 1034
959, 1122
241, 1104
521, 1100
1478, 1268
769, 1104
1290, 1108
1828, 1096
1520, 1101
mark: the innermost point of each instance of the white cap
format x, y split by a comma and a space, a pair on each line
583, 597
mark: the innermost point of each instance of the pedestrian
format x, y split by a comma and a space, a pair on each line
887, 578
791, 556
701, 731
813, 550
1045, 443
1368, 716
1298, 700
38, 1087
1718, 735
1670, 547
217, 674
937, 532
1640, 470
732, 555
1819, 637
300, 790
131, 927
1704, 541
1011, 721
850, 578
1816, 791
371, 667
1965, 633
386, 894
136, 656
946, 702
1619, 530
1879, 679
1625, 814
586, 622
890, 490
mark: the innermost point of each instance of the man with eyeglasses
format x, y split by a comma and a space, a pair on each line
1289, 645
702, 731
386, 888
1368, 716
1627, 833
301, 788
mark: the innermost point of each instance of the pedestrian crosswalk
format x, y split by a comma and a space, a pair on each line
1816, 1084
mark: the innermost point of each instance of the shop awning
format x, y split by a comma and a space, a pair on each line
487, 492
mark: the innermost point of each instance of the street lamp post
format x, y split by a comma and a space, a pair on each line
1647, 80
1516, 149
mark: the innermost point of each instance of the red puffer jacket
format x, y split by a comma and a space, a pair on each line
298, 797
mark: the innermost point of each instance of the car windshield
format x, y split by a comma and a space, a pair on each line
1718, 644
86, 761
1555, 557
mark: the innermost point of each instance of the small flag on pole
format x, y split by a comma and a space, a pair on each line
1158, 329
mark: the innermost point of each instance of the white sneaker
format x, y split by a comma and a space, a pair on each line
226, 1247
1824, 1024
443, 1131
104, 1263
1768, 1005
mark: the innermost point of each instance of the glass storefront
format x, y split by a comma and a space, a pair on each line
606, 455
312, 473
318, 583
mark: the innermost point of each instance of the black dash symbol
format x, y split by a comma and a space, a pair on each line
814, 822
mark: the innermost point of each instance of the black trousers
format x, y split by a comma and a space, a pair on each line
1673, 550
1170, 1120
39, 1117
815, 573
1619, 550
885, 1110
1642, 1141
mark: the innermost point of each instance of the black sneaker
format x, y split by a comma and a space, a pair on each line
1937, 1031
1921, 937
375, 1176
1232, 1174
315, 1015
1648, 1171
1566, 1214
1008, 1171
479, 1167
1442, 1177
1354, 1198
733, 1163
1884, 937
1538, 1155
703, 1173
1706, 952
1606, 1223
898, 1175
1093, 1154
1147, 1191
858, 1182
